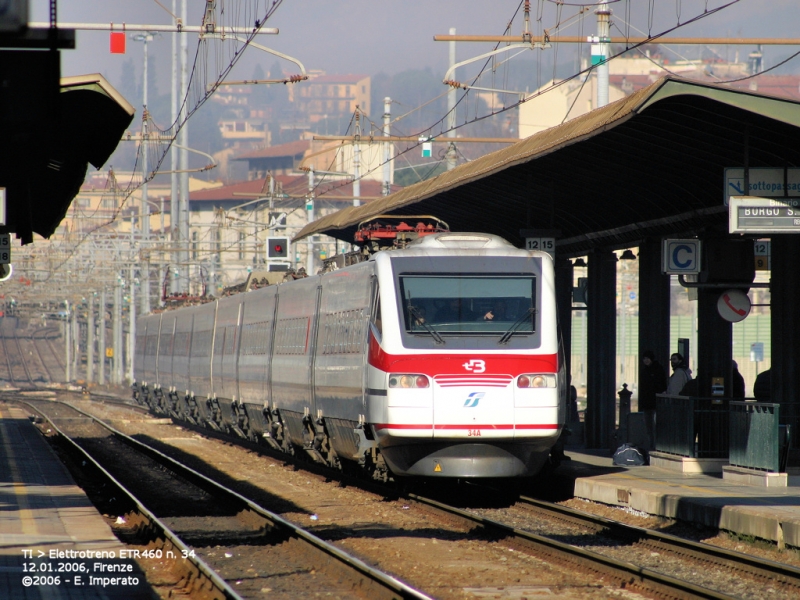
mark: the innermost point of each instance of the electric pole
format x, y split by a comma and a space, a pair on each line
357, 161
451, 110
387, 149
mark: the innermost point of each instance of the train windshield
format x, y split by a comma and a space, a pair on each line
474, 304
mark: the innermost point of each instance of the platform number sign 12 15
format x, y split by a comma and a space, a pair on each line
546, 244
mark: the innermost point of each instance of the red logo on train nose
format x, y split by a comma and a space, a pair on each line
475, 365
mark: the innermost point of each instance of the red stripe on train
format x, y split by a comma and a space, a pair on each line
435, 364
470, 426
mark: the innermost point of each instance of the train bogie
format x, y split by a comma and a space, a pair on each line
440, 360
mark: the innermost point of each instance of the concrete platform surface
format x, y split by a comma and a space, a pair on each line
770, 513
52, 539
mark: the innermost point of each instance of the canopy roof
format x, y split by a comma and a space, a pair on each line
648, 165
49, 152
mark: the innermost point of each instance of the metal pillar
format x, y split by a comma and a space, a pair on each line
183, 141
451, 111
387, 147
101, 379
357, 161
67, 345
116, 373
145, 207
785, 311
90, 340
310, 216
564, 283
76, 343
603, 15
653, 303
174, 203
714, 344
601, 351
131, 327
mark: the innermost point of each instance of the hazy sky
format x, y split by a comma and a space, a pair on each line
369, 36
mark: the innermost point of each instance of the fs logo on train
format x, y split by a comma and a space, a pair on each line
473, 399
475, 365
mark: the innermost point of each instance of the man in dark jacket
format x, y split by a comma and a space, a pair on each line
762, 388
652, 381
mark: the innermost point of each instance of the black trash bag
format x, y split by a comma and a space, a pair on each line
628, 455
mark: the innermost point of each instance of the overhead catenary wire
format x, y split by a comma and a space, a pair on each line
556, 84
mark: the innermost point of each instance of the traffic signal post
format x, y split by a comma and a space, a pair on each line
278, 254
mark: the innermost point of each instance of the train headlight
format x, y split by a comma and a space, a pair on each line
408, 381
536, 381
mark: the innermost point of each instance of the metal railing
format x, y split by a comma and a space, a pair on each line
692, 427
755, 435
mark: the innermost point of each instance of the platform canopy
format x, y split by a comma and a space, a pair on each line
648, 165
53, 143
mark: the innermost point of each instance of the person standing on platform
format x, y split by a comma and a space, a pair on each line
652, 381
762, 388
737, 381
681, 374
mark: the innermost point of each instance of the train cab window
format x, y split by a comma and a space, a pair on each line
376, 318
473, 304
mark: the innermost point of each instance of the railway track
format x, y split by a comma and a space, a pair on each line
5, 363
47, 355
18, 373
784, 579
34, 367
626, 570
192, 511
629, 575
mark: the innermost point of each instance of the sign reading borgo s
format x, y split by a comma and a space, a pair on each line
681, 257
747, 214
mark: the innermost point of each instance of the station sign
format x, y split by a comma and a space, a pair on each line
541, 239
748, 214
766, 183
681, 257
5, 248
763, 255
545, 244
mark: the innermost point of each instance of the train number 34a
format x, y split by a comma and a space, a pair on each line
473, 432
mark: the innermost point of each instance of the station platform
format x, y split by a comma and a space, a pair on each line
770, 513
48, 526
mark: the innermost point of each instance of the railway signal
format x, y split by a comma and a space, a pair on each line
278, 248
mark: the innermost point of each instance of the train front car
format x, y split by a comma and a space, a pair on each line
465, 377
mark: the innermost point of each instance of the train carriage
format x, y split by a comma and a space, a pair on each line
438, 360
252, 360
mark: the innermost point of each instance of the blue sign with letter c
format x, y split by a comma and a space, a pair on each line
676, 256
680, 257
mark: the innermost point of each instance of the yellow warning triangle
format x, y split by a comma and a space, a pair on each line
437, 468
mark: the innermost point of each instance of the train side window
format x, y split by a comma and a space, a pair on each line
376, 318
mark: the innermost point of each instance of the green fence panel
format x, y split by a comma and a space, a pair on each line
675, 425
754, 435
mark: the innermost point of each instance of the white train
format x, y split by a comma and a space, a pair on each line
438, 360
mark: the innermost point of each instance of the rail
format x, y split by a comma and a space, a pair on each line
374, 582
203, 578
691, 426
706, 553
632, 577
